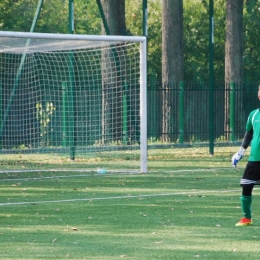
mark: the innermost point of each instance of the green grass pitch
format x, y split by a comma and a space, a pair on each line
185, 207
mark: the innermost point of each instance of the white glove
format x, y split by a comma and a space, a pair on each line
237, 157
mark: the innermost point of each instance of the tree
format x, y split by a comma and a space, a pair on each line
234, 59
172, 62
53, 17
112, 71
17, 16
234, 41
251, 40
134, 16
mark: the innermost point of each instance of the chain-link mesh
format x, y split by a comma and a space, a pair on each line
192, 124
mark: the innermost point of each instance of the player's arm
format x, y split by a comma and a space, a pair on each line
245, 143
247, 139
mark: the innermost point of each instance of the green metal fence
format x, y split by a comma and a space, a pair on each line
190, 114
195, 105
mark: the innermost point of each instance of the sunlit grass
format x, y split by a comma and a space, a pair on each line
184, 208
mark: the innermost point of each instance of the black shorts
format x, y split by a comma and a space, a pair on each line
251, 174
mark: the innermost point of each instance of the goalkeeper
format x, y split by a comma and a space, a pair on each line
251, 176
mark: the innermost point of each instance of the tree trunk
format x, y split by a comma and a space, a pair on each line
112, 77
234, 61
172, 64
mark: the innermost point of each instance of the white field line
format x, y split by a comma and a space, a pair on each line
118, 197
52, 177
122, 197
68, 176
113, 174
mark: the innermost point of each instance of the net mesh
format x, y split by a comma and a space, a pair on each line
69, 105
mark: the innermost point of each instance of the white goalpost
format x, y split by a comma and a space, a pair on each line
73, 102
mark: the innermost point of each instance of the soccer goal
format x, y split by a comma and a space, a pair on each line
72, 102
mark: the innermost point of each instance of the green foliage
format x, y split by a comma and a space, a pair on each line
221, 138
18, 16
87, 17
53, 18
196, 35
43, 116
134, 23
196, 38
251, 40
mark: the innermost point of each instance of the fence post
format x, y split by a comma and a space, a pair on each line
1, 100
125, 113
64, 114
232, 112
181, 113
211, 78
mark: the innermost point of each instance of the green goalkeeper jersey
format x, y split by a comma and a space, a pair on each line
253, 123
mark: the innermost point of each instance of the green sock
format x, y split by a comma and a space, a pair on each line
246, 202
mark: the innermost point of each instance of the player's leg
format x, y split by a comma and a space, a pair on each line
246, 205
249, 179
246, 200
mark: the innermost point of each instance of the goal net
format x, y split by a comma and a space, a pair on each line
72, 102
